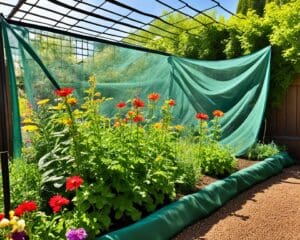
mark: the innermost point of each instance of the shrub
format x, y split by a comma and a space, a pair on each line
189, 166
217, 160
260, 151
128, 163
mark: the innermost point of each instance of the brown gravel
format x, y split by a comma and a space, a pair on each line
267, 211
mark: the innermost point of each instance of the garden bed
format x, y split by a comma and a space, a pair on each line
205, 180
166, 222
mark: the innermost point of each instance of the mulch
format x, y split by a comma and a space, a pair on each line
269, 211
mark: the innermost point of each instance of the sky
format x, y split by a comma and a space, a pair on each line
149, 6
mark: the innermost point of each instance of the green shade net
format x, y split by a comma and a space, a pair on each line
238, 87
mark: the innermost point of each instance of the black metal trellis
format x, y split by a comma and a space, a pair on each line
4, 124
113, 25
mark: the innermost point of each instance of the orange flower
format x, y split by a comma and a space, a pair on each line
138, 118
154, 97
218, 113
202, 116
138, 103
72, 101
171, 102
130, 114
158, 125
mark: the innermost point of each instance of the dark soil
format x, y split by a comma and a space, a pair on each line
206, 180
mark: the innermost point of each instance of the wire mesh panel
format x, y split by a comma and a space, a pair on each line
238, 87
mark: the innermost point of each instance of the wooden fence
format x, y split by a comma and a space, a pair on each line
284, 122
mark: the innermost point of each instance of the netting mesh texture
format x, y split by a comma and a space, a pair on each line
238, 87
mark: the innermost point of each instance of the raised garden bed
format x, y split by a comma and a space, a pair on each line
171, 219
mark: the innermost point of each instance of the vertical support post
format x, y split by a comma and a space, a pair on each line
4, 125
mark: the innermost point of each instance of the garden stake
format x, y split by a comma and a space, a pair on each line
4, 126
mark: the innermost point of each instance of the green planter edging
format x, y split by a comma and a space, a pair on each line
171, 219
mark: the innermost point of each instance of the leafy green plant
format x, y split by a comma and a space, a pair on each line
217, 160
25, 182
189, 166
128, 163
260, 151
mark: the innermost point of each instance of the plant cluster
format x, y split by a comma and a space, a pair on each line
215, 159
260, 151
97, 173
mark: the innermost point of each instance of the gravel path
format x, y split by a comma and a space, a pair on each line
268, 211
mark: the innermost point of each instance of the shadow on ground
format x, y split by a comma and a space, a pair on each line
199, 229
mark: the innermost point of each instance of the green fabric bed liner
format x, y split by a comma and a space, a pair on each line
170, 220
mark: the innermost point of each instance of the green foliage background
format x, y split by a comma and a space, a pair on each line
257, 5
240, 35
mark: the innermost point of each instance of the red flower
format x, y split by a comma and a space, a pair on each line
218, 113
138, 103
1, 216
27, 206
138, 118
63, 92
172, 102
121, 105
153, 96
202, 116
73, 183
57, 201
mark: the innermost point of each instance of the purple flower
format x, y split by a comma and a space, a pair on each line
19, 236
76, 234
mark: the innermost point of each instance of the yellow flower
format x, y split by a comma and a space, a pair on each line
67, 121
158, 158
21, 225
179, 128
4, 223
11, 214
77, 113
27, 121
30, 128
204, 124
60, 106
92, 79
43, 102
158, 125
72, 101
14, 220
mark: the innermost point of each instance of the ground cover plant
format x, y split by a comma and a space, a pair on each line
83, 174
261, 151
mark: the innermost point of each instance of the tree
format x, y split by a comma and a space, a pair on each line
257, 5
